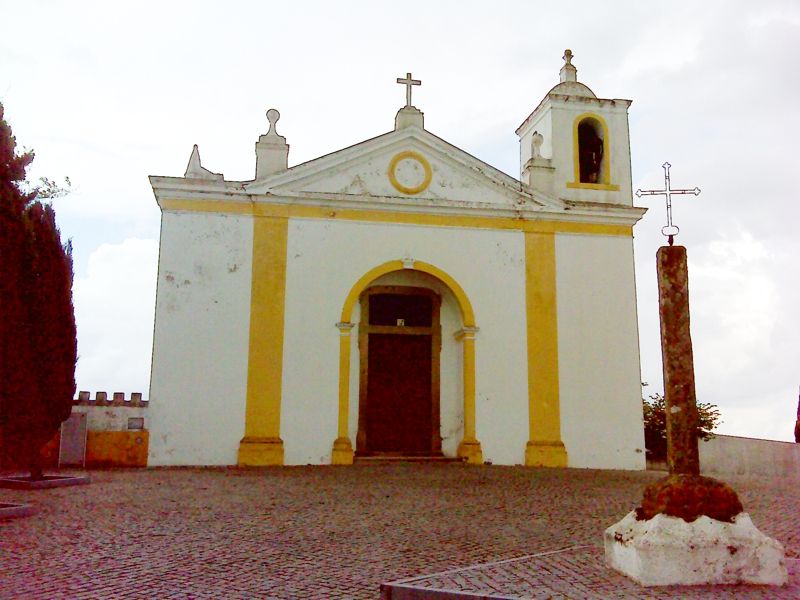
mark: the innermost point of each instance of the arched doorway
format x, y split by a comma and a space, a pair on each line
469, 448
399, 342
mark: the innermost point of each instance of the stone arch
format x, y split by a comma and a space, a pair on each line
464, 305
469, 449
590, 138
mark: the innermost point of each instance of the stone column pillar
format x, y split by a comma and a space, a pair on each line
683, 493
678, 362
469, 449
342, 446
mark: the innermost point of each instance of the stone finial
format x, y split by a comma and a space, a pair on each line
568, 71
409, 116
273, 116
536, 145
195, 170
272, 151
538, 172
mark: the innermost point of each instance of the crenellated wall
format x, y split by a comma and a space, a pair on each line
117, 430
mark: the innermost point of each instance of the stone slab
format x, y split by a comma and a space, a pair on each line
13, 511
570, 573
667, 550
50, 481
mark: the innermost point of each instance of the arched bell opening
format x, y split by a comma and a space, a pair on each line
591, 151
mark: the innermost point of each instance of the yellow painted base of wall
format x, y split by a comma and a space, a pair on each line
117, 448
105, 449
342, 452
260, 452
545, 454
470, 451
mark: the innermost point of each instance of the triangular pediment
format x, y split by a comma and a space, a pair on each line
409, 164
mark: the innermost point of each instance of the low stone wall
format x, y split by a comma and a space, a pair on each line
117, 431
725, 455
730, 455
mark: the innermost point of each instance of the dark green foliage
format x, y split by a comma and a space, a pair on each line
655, 424
797, 424
38, 347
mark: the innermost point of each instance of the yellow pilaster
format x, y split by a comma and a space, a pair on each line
470, 448
342, 446
544, 447
262, 444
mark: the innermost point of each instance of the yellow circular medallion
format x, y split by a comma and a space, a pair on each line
409, 172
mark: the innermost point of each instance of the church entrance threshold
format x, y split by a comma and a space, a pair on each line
400, 341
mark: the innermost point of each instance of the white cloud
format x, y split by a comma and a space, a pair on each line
114, 310
744, 324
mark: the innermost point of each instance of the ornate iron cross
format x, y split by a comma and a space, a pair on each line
408, 82
669, 229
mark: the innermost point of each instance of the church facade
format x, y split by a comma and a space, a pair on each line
400, 297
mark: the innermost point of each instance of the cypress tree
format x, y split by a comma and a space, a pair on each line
38, 346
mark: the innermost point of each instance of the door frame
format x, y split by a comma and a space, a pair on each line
435, 331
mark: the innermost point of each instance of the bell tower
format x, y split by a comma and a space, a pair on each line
575, 146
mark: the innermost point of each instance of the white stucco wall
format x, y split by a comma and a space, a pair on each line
598, 352
112, 418
555, 122
617, 149
727, 455
200, 347
326, 258
367, 174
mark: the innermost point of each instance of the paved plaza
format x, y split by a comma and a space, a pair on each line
336, 532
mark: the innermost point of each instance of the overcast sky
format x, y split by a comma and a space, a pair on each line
110, 92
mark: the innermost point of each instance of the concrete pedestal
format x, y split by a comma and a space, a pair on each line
667, 550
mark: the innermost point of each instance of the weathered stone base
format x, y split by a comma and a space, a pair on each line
689, 497
49, 481
545, 454
12, 511
342, 452
667, 550
260, 452
470, 452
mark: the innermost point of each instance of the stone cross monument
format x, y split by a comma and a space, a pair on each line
408, 82
689, 529
670, 229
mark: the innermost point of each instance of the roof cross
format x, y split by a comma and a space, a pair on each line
669, 229
408, 82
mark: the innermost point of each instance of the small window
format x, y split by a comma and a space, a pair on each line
591, 151
135, 423
401, 310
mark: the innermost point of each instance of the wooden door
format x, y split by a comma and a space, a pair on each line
400, 340
399, 393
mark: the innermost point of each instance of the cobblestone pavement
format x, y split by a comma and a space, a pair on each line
577, 572
319, 532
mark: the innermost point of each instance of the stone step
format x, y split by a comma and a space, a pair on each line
400, 458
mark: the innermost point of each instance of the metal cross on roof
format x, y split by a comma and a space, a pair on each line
669, 229
408, 82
